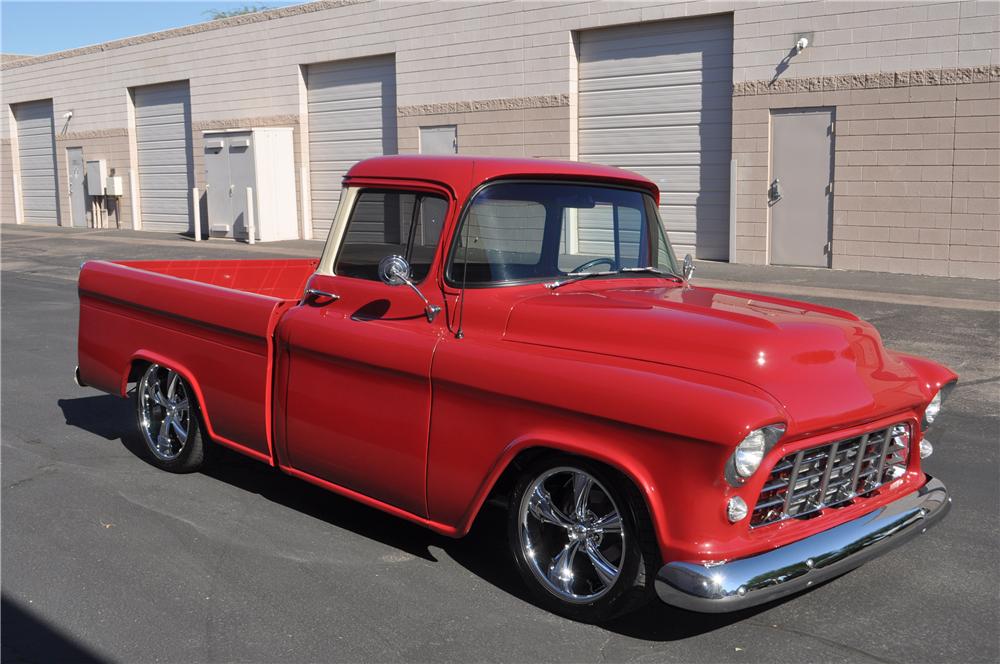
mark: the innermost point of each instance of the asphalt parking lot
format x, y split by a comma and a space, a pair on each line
106, 558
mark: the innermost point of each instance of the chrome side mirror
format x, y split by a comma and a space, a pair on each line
688, 267
396, 271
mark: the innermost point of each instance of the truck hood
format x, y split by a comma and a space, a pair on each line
827, 368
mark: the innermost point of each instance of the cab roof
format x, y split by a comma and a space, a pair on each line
462, 174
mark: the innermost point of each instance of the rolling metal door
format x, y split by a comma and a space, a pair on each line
657, 99
36, 146
352, 116
166, 171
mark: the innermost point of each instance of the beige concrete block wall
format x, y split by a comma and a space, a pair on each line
974, 235
852, 37
916, 170
533, 128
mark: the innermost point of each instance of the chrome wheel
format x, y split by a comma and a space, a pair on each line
164, 412
571, 534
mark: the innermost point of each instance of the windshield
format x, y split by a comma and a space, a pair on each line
529, 231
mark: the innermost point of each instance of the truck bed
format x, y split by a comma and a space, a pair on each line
283, 279
211, 320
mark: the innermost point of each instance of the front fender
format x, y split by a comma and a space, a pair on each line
627, 465
669, 429
933, 376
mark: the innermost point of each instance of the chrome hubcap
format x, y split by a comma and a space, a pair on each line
164, 412
571, 534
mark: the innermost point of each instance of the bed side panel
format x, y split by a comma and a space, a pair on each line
220, 338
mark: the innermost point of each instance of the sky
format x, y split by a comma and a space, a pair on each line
40, 26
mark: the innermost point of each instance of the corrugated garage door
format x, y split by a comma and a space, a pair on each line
166, 171
36, 146
352, 116
656, 99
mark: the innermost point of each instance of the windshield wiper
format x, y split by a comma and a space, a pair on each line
655, 270
579, 276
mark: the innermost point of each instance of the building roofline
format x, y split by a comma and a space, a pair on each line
217, 24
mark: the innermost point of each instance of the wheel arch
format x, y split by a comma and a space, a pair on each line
524, 451
137, 364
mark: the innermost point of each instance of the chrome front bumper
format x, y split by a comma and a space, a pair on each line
738, 584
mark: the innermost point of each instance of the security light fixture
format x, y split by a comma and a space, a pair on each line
803, 40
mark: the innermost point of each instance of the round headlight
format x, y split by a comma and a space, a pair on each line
749, 453
736, 509
933, 408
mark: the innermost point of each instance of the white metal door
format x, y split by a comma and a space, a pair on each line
241, 176
352, 116
656, 98
229, 171
77, 173
219, 188
800, 195
166, 171
439, 140
36, 145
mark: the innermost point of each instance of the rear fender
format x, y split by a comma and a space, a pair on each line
148, 356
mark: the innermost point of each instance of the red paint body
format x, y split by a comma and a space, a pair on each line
659, 380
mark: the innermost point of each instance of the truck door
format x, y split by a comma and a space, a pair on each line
356, 398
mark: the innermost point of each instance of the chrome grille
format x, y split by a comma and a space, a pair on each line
803, 483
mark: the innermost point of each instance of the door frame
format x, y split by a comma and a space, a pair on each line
768, 226
325, 278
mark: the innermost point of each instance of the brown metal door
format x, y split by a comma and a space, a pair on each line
800, 194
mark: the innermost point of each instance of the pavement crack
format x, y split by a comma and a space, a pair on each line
824, 640
162, 512
604, 646
43, 470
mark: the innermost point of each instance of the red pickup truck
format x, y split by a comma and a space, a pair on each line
520, 329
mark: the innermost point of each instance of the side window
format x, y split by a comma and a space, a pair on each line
383, 223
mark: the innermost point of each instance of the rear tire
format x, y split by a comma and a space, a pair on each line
167, 415
581, 539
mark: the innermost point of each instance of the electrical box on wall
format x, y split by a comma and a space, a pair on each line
97, 175
114, 186
263, 161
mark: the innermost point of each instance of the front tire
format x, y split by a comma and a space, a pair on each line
167, 415
580, 539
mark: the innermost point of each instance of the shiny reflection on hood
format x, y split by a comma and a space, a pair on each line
792, 350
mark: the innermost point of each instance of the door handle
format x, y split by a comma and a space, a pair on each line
774, 191
231, 190
315, 292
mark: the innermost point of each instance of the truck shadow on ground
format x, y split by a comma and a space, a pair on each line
28, 637
484, 551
